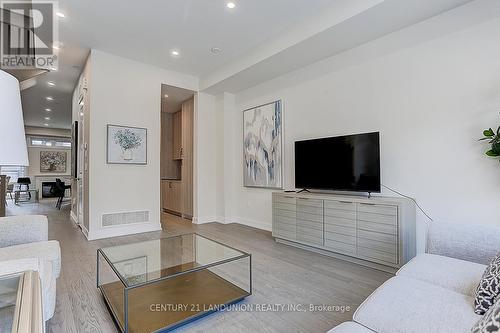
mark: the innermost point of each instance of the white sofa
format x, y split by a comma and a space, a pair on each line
24, 245
434, 292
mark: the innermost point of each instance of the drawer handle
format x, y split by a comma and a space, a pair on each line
346, 202
288, 197
367, 204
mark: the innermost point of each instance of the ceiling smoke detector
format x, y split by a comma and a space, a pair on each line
215, 50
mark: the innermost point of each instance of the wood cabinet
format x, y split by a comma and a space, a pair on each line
171, 195
177, 135
187, 157
377, 232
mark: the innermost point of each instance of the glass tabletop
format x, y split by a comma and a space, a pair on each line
9, 287
144, 262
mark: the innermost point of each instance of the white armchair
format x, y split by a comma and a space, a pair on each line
24, 245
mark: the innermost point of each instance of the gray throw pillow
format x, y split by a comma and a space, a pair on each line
490, 323
489, 287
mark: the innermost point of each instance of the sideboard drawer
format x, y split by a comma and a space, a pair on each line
333, 236
340, 230
378, 227
378, 209
377, 255
340, 247
284, 199
378, 246
338, 204
377, 236
285, 213
285, 206
340, 221
344, 214
310, 202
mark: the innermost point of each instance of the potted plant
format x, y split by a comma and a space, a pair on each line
128, 141
494, 140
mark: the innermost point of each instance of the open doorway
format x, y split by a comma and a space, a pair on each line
176, 156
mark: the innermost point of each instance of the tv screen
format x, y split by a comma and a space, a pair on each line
344, 163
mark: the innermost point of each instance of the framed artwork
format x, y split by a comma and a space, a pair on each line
134, 270
263, 146
127, 145
53, 161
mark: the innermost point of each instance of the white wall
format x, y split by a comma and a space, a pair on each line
126, 92
205, 159
430, 102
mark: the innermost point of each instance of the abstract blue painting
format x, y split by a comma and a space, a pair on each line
263, 146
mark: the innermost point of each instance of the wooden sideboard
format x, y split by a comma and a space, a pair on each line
378, 232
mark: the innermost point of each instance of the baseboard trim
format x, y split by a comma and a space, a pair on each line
203, 220
73, 217
252, 223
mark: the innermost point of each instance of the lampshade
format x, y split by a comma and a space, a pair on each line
13, 150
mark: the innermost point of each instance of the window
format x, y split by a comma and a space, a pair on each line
13, 172
49, 142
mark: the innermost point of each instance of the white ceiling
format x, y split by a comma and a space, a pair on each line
254, 38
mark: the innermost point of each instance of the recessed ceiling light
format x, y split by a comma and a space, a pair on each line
61, 15
45, 124
49, 98
216, 50
166, 96
47, 118
231, 5
175, 53
50, 83
48, 109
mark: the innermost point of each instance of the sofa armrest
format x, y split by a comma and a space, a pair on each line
19, 265
23, 229
472, 242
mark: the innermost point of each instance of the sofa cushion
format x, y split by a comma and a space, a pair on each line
350, 327
488, 288
453, 274
48, 250
490, 321
407, 305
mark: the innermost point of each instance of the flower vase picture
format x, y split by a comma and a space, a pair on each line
127, 145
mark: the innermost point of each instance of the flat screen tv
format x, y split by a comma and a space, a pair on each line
343, 163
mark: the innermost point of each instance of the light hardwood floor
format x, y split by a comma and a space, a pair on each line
281, 275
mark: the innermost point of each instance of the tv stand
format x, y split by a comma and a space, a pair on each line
304, 190
379, 232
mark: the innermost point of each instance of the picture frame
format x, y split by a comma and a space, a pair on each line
126, 145
53, 161
263, 146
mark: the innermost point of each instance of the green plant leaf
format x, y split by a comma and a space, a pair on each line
492, 153
482, 139
489, 132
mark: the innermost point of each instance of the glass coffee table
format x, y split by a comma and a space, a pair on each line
158, 285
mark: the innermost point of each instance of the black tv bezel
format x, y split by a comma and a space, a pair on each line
378, 190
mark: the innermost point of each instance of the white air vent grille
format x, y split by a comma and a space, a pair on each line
124, 218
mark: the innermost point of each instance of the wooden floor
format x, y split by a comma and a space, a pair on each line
281, 275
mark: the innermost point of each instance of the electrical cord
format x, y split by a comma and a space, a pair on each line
412, 199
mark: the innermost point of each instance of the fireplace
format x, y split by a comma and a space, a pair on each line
47, 189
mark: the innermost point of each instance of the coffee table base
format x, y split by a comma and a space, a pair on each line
168, 304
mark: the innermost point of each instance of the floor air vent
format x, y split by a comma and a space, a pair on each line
124, 218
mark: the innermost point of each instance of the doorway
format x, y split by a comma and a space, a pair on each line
176, 155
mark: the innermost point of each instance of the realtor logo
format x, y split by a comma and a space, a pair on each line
29, 32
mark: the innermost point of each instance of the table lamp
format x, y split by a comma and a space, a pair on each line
13, 150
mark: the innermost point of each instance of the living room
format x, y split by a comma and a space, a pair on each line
410, 85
